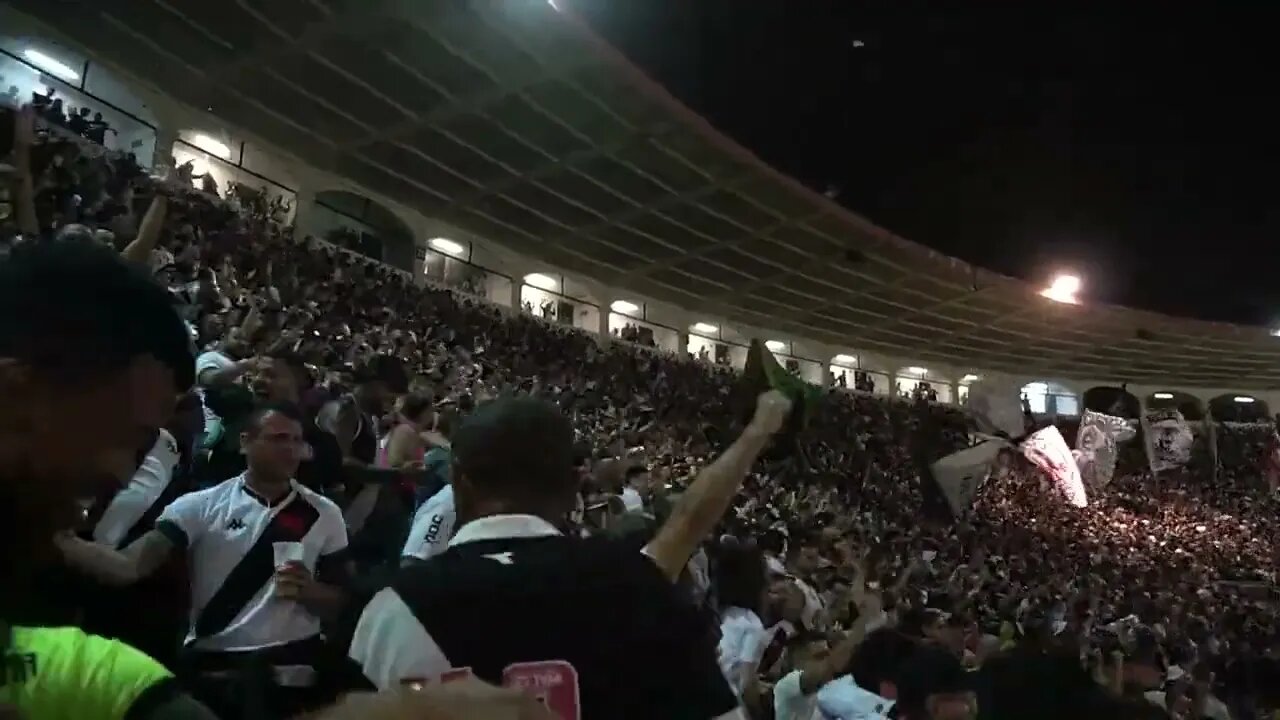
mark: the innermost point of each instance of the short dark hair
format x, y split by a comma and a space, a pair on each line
1015, 685
803, 639
415, 404
253, 423
76, 309
740, 577
297, 365
519, 448
384, 368
879, 657
447, 422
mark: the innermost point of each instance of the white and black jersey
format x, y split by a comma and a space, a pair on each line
433, 526
228, 532
592, 626
133, 509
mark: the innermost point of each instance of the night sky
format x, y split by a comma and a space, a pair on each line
1134, 142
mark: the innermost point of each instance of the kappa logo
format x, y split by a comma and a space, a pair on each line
236, 524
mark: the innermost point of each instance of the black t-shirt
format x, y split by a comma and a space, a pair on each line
592, 622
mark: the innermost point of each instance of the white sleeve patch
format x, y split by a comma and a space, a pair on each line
392, 646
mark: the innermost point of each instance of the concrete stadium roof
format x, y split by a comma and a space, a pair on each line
513, 121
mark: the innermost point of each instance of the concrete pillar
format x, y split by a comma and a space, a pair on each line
304, 205
683, 340
162, 158
602, 323
516, 284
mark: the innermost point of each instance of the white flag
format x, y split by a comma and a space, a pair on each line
995, 410
1096, 442
1169, 439
961, 474
1048, 451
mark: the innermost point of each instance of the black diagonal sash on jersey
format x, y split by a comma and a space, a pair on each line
290, 524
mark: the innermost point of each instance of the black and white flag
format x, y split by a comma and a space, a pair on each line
1096, 446
961, 474
1168, 439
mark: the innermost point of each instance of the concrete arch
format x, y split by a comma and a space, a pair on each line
363, 225
1191, 407
1239, 407
1112, 401
1047, 397
914, 379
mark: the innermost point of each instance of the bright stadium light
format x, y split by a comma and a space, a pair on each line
211, 146
1163, 396
776, 345
704, 327
1243, 399
447, 246
846, 359
913, 370
1275, 332
53, 66
540, 281
1063, 289
970, 378
624, 307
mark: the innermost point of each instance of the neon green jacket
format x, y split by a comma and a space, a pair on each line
57, 673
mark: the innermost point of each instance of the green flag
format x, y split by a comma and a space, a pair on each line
763, 373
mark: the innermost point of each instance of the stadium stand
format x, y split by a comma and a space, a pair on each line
836, 580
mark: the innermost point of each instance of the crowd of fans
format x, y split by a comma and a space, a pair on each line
840, 586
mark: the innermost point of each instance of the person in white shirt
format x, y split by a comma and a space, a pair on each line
741, 589
146, 486
215, 368
268, 563
635, 488
1193, 691
866, 690
814, 664
433, 526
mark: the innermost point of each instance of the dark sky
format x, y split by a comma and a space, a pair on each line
1135, 142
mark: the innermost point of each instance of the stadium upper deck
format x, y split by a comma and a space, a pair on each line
513, 121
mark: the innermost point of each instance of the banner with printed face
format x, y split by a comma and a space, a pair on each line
961, 474
1048, 451
1169, 439
1096, 442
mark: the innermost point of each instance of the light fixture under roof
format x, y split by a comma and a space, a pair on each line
624, 306
51, 65
845, 359
1163, 396
1063, 289
541, 281
704, 327
1243, 399
970, 378
915, 370
211, 146
775, 345
447, 246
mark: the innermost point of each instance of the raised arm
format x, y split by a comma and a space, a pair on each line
707, 499
139, 250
